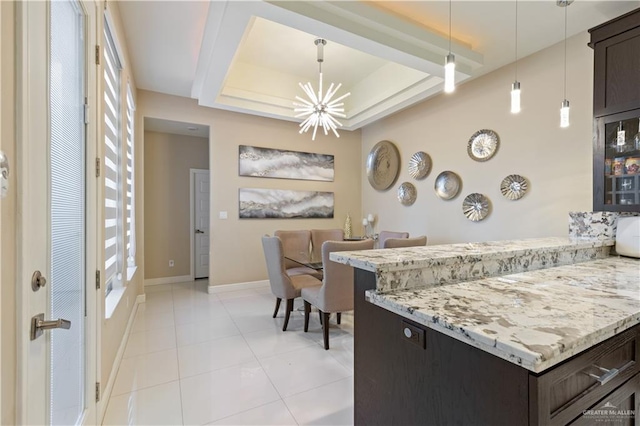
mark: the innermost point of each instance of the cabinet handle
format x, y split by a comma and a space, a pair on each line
606, 377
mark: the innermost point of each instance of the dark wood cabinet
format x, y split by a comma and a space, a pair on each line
407, 374
616, 109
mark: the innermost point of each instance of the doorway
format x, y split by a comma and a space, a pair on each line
200, 197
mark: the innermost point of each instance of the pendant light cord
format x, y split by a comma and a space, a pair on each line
565, 49
449, 26
516, 40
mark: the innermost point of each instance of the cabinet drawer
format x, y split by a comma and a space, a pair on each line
563, 393
622, 407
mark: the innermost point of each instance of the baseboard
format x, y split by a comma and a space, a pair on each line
237, 286
168, 280
106, 392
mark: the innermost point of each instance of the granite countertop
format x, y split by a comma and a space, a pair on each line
385, 260
535, 319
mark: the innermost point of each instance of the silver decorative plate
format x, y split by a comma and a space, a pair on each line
475, 207
419, 165
447, 185
383, 165
513, 187
483, 145
407, 193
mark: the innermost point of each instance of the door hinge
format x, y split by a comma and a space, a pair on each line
86, 113
97, 391
97, 54
97, 167
98, 280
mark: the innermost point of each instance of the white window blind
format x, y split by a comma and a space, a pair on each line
112, 162
130, 188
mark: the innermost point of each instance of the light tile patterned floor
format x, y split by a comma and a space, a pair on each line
195, 358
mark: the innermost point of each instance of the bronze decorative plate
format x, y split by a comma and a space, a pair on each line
447, 185
513, 187
419, 165
383, 165
483, 145
407, 193
476, 207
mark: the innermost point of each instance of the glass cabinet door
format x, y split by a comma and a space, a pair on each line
621, 139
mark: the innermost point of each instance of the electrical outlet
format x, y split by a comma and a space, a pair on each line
171, 263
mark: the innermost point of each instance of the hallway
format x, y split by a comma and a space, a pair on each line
198, 358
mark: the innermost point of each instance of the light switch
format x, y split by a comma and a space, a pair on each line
223, 215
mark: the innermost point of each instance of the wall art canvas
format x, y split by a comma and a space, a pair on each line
256, 203
277, 163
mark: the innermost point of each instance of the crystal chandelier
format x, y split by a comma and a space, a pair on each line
320, 110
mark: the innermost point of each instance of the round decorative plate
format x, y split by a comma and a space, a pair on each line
483, 145
475, 207
513, 187
407, 193
447, 185
419, 165
383, 165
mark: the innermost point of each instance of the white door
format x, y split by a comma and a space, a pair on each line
201, 223
56, 377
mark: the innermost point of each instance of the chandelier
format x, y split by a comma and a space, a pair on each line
320, 110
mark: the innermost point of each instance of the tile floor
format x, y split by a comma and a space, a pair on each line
195, 358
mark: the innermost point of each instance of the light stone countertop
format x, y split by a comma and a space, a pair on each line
534, 319
385, 260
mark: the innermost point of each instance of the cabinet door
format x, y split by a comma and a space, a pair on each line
616, 162
616, 74
621, 407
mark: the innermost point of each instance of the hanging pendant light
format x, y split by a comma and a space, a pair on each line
320, 110
564, 110
450, 64
515, 86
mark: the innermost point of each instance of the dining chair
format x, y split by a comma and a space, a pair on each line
336, 293
383, 235
283, 286
319, 236
296, 245
405, 242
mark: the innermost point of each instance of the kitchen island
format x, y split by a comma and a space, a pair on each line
520, 332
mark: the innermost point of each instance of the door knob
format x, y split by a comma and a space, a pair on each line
199, 231
38, 325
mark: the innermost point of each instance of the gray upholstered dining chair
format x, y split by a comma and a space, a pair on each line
405, 242
383, 235
336, 292
283, 286
319, 236
296, 244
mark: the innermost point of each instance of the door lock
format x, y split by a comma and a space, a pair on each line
37, 281
199, 231
38, 325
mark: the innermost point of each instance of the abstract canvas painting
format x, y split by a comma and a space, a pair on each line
258, 203
277, 163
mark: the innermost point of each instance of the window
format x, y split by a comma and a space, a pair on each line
130, 187
112, 165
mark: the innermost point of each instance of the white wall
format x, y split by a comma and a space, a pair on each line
557, 162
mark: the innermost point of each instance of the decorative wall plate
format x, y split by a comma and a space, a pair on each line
419, 165
407, 193
447, 185
513, 187
483, 145
383, 165
475, 207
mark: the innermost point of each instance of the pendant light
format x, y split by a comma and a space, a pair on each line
319, 109
564, 110
515, 87
450, 64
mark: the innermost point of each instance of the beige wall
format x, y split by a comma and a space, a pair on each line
556, 161
236, 250
113, 329
8, 219
168, 159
